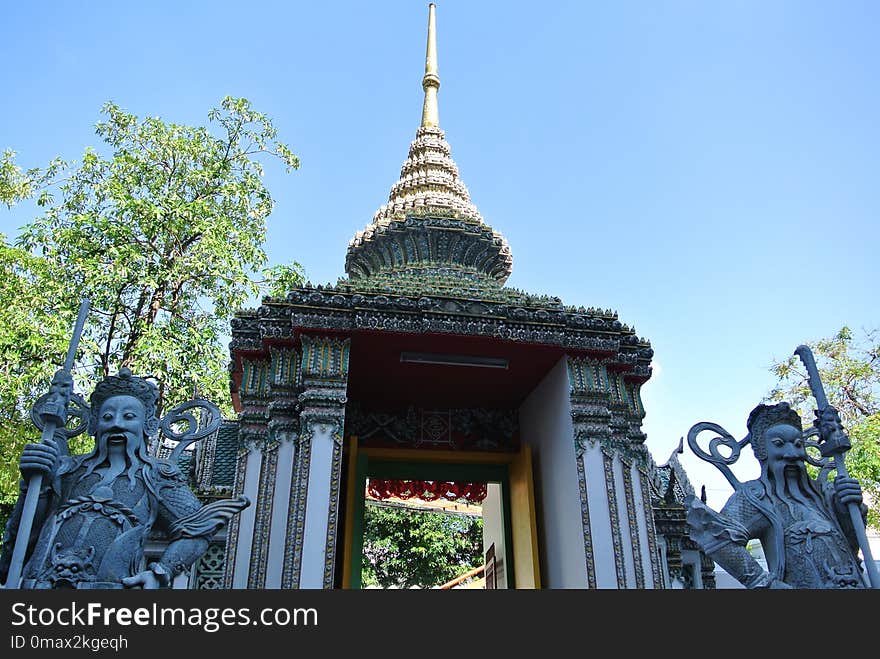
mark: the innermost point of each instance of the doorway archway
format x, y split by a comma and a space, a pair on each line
511, 471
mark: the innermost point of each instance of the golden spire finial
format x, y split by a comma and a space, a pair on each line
431, 81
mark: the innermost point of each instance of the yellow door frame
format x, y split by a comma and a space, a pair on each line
520, 493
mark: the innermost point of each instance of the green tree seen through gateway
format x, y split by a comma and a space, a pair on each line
406, 548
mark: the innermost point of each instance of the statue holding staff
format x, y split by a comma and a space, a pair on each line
811, 530
95, 511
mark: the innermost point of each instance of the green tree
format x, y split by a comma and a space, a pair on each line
850, 372
32, 345
405, 548
164, 234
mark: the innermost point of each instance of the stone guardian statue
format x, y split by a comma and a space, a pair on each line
811, 530
95, 511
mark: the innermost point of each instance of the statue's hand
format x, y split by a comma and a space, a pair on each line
146, 580
157, 576
847, 491
39, 459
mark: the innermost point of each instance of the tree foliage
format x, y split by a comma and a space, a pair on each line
849, 368
32, 344
164, 234
407, 548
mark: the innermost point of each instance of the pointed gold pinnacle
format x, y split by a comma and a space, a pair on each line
431, 81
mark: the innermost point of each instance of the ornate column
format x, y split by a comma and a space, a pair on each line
310, 547
615, 448
253, 436
707, 567
619, 535
672, 525
638, 488
279, 460
653, 546
591, 418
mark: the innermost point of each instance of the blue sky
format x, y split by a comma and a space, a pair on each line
707, 169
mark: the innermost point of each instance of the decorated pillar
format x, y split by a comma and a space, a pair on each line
643, 534
279, 457
310, 548
707, 567
268, 434
672, 526
253, 435
591, 420
619, 535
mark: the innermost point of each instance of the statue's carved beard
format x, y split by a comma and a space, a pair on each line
790, 483
134, 461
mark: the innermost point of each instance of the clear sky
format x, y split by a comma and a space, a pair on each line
708, 169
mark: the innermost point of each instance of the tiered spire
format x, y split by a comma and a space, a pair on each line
429, 186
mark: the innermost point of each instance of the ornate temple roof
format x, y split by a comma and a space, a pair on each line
429, 266
670, 480
429, 225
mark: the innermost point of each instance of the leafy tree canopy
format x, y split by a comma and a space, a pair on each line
163, 233
849, 367
407, 548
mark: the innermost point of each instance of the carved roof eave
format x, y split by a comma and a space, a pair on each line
342, 310
429, 238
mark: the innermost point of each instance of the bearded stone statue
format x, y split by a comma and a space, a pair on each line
802, 523
96, 511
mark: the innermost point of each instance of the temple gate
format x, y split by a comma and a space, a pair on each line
422, 364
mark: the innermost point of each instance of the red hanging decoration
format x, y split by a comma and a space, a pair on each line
382, 489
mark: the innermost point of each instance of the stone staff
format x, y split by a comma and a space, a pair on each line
54, 417
835, 443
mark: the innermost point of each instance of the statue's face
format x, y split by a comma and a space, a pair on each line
785, 445
121, 421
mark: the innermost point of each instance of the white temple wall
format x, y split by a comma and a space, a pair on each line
315, 538
546, 426
493, 531
651, 580
625, 537
247, 519
280, 506
664, 566
600, 517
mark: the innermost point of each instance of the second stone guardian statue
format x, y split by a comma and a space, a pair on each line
802, 523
